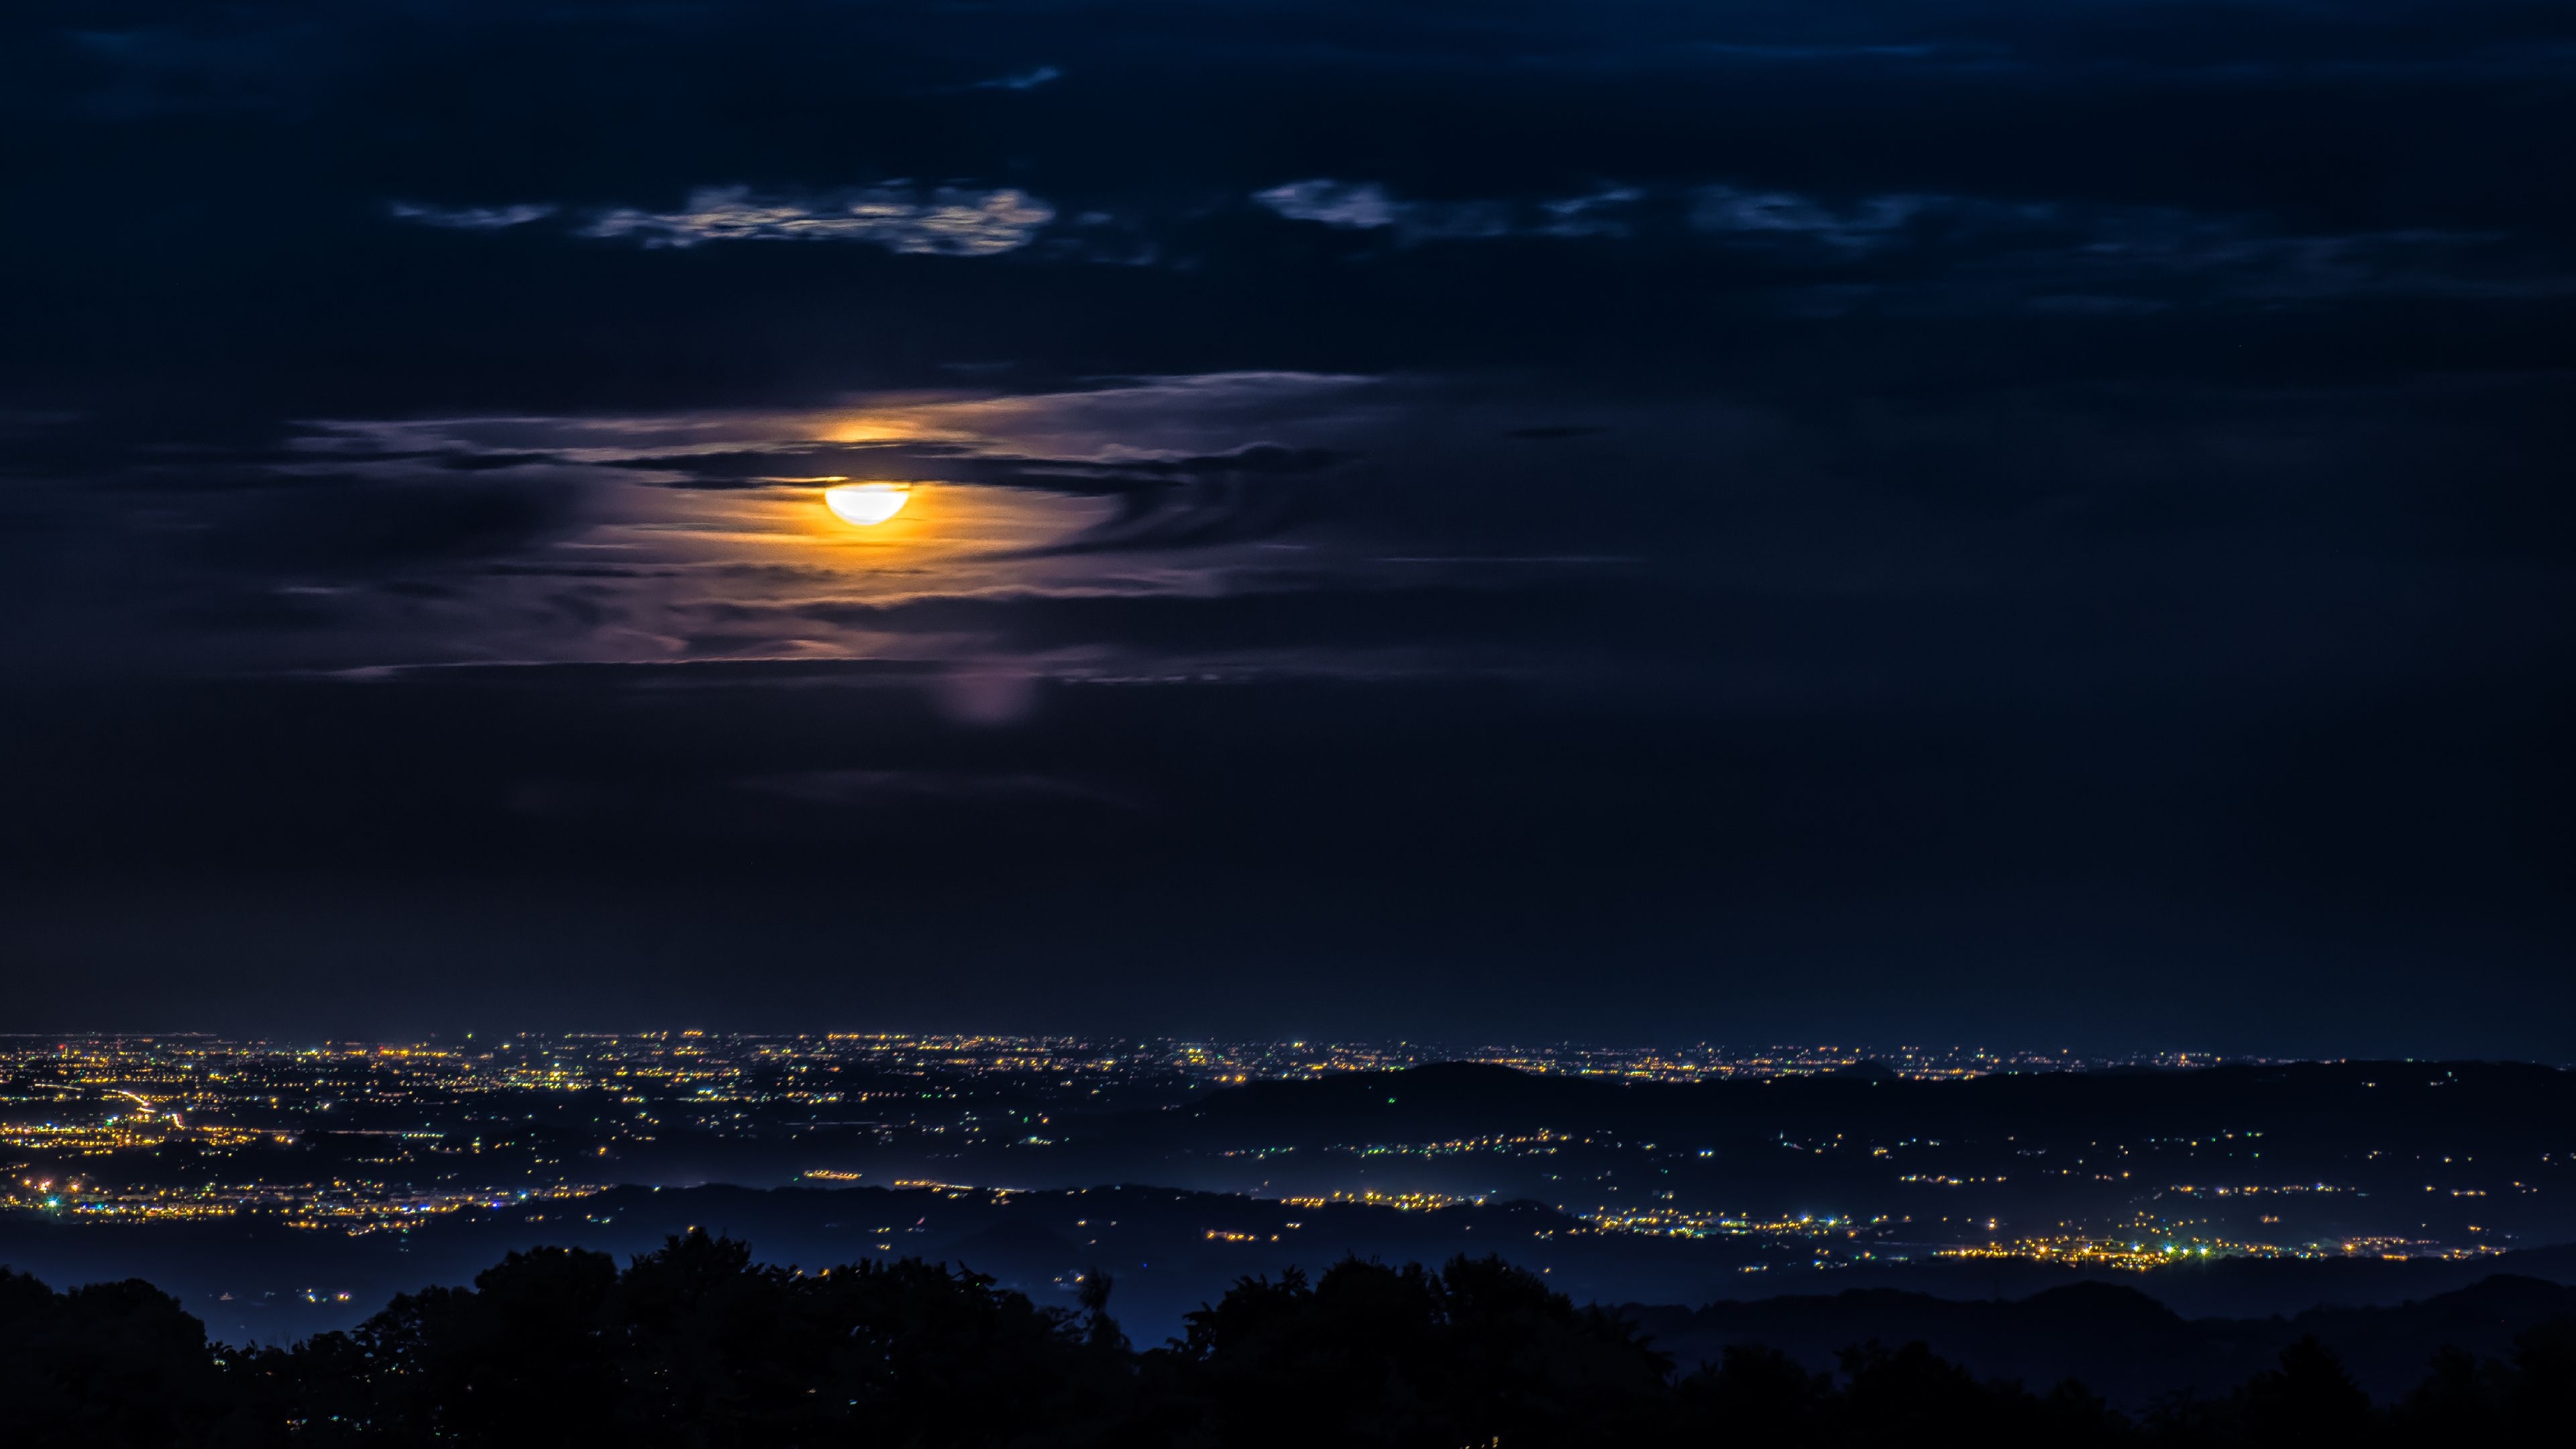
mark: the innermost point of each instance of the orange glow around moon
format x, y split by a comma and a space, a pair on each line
867, 504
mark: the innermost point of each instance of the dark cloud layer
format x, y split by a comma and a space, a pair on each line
2002, 519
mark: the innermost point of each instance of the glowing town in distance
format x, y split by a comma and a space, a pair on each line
365, 1138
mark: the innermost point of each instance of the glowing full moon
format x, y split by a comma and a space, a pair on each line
867, 504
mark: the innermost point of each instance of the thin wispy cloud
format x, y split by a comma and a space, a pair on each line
1025, 81
1367, 206
471, 218
1612, 211
1725, 209
1593, 215
948, 221
1362, 205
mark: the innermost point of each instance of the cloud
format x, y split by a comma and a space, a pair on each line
471, 218
1333, 203
1322, 624
1727, 209
1027, 81
1365, 206
363, 527
1167, 503
1584, 215
1611, 211
950, 222
1164, 502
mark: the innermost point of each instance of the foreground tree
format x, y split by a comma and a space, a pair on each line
1476, 1352
696, 1346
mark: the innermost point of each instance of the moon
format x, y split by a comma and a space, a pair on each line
867, 504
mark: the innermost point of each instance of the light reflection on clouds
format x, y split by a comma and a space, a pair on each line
723, 569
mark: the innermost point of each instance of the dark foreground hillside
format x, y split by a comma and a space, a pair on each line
697, 1345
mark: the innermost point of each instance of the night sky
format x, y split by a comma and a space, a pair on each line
2036, 523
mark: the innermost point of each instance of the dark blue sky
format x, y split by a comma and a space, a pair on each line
2037, 523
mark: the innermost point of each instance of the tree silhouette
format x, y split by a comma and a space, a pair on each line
699, 1346
2308, 1395
1377, 1355
106, 1364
